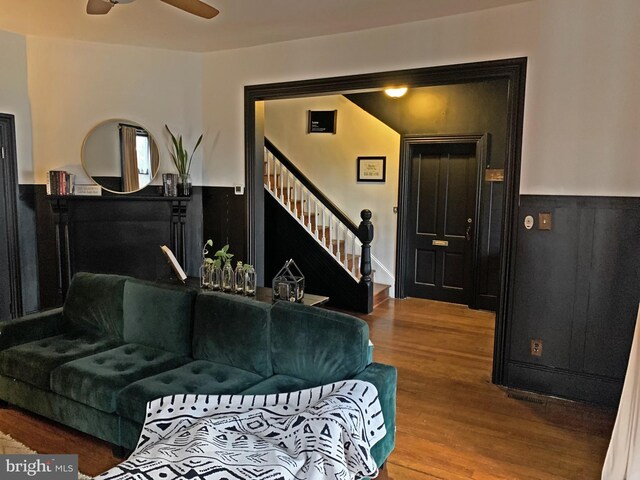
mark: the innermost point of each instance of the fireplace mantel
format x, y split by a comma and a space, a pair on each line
119, 234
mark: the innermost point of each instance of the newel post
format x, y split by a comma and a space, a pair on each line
365, 234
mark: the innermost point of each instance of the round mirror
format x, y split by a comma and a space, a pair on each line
121, 156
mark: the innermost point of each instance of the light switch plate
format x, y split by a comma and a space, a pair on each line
544, 221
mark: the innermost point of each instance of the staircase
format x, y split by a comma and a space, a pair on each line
329, 228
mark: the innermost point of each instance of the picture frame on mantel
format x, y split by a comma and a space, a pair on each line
322, 121
372, 169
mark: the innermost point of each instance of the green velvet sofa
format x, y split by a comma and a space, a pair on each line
118, 343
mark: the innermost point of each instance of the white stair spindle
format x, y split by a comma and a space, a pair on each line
311, 225
295, 198
353, 252
281, 182
268, 171
315, 217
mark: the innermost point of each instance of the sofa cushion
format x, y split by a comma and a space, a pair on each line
317, 345
232, 330
33, 362
278, 384
199, 377
94, 302
97, 379
159, 316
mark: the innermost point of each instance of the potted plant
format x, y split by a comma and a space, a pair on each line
182, 161
207, 266
227, 274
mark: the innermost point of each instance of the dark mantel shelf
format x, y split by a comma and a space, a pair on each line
123, 197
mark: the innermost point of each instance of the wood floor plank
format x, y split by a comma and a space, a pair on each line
452, 422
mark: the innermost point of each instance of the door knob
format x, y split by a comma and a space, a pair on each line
468, 234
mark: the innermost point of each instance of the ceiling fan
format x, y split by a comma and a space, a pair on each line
195, 7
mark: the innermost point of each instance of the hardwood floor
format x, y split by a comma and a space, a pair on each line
452, 422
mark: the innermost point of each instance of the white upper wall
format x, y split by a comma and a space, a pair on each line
14, 98
581, 131
74, 85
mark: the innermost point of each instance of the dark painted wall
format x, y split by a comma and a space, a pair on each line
577, 289
285, 238
469, 108
223, 220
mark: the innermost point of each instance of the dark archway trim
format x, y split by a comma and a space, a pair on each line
9, 175
514, 70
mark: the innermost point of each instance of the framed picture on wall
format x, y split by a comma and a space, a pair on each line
372, 169
322, 121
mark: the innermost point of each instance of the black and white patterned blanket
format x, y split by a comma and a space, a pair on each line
319, 433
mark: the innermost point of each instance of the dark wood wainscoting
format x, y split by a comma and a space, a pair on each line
224, 220
577, 289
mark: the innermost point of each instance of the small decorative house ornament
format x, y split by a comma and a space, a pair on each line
288, 284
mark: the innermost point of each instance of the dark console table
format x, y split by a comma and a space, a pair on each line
263, 294
118, 234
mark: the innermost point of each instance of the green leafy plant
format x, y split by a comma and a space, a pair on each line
205, 259
180, 156
222, 255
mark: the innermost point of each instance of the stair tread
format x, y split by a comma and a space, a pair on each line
380, 293
379, 287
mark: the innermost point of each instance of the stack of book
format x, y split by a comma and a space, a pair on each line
60, 182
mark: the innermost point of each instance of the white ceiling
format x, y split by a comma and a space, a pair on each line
241, 23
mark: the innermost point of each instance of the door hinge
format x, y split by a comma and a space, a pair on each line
2, 152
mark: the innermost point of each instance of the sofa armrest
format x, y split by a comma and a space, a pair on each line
385, 379
31, 327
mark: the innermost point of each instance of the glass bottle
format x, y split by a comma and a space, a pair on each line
227, 277
205, 274
185, 185
216, 277
239, 278
249, 281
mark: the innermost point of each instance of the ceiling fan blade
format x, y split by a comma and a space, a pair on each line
98, 7
196, 7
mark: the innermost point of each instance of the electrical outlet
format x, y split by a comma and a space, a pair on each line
544, 221
536, 347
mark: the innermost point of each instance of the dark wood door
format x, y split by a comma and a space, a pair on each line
5, 276
440, 226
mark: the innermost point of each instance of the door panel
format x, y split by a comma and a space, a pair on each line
441, 202
5, 279
428, 199
453, 270
425, 267
456, 211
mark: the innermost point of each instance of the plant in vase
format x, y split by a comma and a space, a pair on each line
249, 280
239, 279
227, 275
216, 275
206, 267
182, 161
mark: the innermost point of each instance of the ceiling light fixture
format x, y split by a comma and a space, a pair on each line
396, 92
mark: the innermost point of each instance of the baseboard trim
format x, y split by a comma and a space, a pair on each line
564, 384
